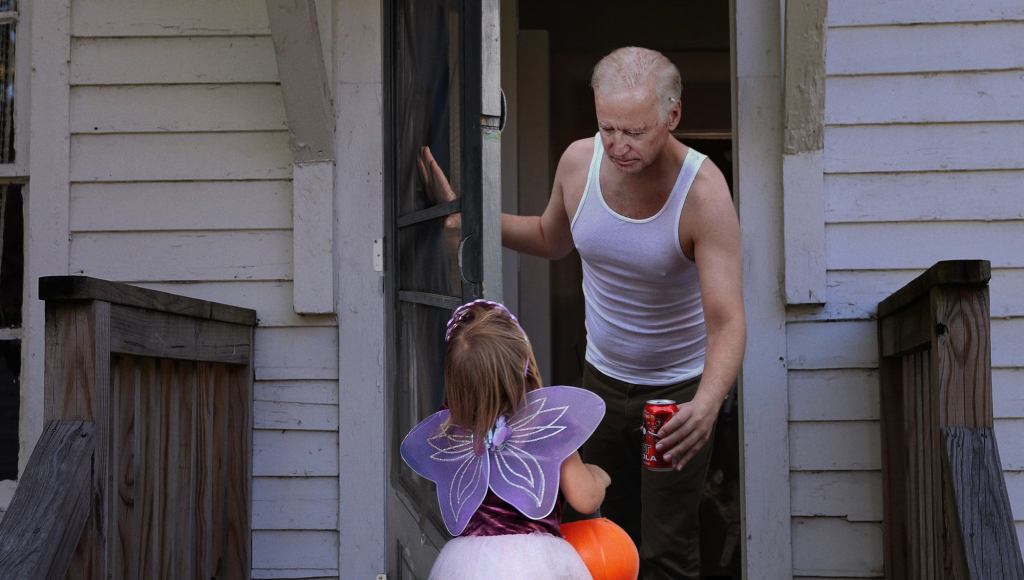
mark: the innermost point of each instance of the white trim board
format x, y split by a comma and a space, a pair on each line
764, 433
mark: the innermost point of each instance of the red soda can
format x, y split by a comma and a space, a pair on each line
656, 413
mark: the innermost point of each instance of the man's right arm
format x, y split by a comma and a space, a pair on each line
548, 235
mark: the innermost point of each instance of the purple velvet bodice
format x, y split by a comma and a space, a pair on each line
496, 517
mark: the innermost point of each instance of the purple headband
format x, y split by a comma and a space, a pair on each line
463, 311
460, 314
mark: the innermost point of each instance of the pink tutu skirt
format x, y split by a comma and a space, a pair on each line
509, 557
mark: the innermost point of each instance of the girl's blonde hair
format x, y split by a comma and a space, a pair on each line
489, 367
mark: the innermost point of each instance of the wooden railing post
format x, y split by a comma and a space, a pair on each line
167, 382
936, 423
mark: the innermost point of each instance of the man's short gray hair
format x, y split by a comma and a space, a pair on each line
632, 66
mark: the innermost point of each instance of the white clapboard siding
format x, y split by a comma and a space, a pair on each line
181, 156
296, 353
925, 98
854, 495
852, 394
294, 574
1008, 393
1009, 435
926, 196
161, 256
177, 108
297, 416
1015, 489
833, 395
1008, 343
294, 453
832, 345
108, 18
313, 551
141, 61
830, 547
272, 301
855, 294
900, 148
908, 245
293, 503
314, 392
181, 205
853, 344
843, 445
868, 12
925, 48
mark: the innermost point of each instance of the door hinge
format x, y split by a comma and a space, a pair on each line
378, 255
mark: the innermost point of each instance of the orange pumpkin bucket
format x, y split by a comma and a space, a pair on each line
605, 548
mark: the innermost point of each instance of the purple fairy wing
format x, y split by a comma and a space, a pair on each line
525, 467
445, 455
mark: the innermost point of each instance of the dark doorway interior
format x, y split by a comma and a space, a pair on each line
695, 36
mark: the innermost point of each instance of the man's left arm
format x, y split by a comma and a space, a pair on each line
713, 227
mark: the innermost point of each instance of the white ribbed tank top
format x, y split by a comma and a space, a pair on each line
644, 319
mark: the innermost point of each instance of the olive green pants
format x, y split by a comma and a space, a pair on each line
658, 509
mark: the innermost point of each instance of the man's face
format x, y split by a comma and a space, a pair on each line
633, 128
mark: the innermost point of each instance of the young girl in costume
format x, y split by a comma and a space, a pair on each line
503, 453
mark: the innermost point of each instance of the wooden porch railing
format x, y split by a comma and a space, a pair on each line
946, 509
163, 386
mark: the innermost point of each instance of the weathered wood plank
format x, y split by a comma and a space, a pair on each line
197, 156
184, 557
925, 48
924, 98
160, 256
237, 554
888, 197
177, 108
42, 526
295, 453
826, 446
299, 416
126, 399
834, 547
919, 245
148, 411
292, 503
181, 205
157, 334
906, 330
831, 345
868, 12
84, 288
984, 521
296, 353
833, 395
295, 549
138, 61
942, 147
209, 437
112, 18
271, 300
315, 392
853, 495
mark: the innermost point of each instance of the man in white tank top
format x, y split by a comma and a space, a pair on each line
660, 245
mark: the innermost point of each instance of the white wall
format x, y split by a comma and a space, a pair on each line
180, 175
923, 161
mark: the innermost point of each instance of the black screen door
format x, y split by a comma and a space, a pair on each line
441, 91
